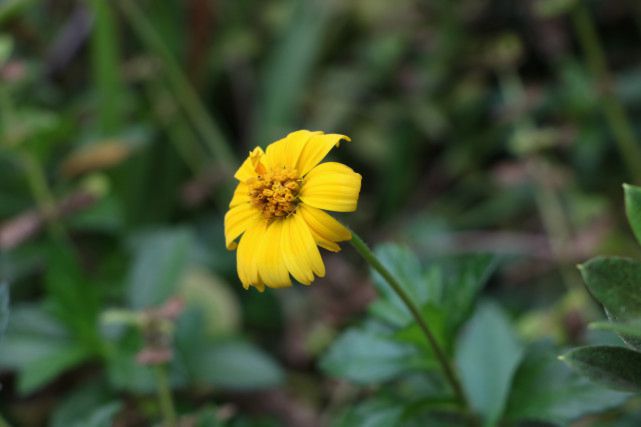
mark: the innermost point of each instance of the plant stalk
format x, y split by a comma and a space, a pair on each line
165, 399
367, 254
612, 108
183, 91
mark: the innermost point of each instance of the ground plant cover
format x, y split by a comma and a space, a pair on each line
316, 213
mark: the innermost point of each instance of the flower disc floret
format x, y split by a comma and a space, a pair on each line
275, 193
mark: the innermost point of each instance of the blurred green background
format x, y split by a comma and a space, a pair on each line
493, 126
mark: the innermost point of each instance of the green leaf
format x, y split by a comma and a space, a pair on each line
80, 403
73, 298
487, 356
106, 67
616, 283
48, 367
374, 412
101, 417
289, 67
403, 265
4, 308
39, 347
630, 328
616, 367
633, 208
369, 354
236, 365
544, 389
464, 280
160, 260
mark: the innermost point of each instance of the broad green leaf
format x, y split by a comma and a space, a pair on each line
405, 267
227, 364
4, 308
616, 367
464, 280
544, 389
236, 365
370, 355
633, 208
48, 367
375, 412
39, 347
101, 417
80, 403
32, 334
487, 356
616, 283
160, 260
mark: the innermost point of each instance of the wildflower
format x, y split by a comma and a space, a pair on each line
278, 210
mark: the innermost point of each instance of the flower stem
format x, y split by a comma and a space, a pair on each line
367, 254
165, 399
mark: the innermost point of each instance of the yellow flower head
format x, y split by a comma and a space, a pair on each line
277, 210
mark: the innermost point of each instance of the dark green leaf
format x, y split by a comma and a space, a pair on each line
464, 281
237, 365
101, 417
616, 367
48, 367
39, 348
633, 208
370, 355
375, 412
487, 356
160, 260
616, 283
80, 403
544, 389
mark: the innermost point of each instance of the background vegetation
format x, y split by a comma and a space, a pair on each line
492, 127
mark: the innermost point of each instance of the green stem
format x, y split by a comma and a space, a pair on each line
367, 254
42, 195
183, 90
165, 399
612, 108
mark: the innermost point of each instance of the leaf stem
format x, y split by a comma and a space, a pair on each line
165, 399
369, 256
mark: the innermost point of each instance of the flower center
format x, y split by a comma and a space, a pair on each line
275, 192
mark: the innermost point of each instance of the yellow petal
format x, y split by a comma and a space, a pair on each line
246, 260
250, 165
325, 229
241, 195
237, 220
286, 151
331, 186
299, 250
271, 265
316, 149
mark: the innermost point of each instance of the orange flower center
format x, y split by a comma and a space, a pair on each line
275, 192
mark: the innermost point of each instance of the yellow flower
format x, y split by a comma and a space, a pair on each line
278, 210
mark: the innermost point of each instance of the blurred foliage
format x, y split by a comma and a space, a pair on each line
493, 127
